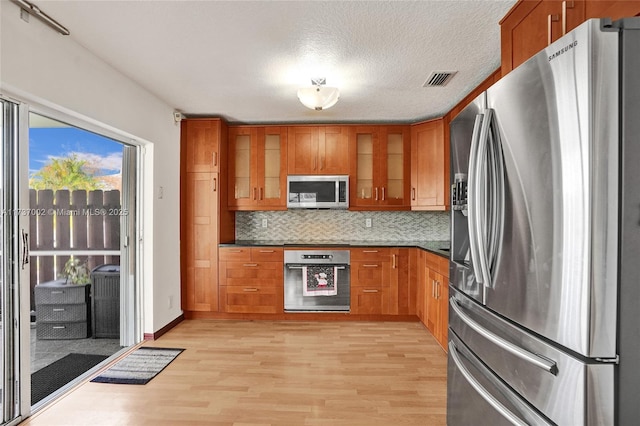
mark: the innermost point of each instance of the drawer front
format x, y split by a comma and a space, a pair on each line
69, 294
234, 253
267, 254
61, 313
367, 300
62, 331
371, 254
369, 274
256, 273
260, 299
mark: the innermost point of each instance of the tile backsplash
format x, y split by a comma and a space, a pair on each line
342, 225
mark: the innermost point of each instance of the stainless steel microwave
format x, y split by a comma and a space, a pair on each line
317, 192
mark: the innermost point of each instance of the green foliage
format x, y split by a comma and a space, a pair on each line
76, 272
65, 173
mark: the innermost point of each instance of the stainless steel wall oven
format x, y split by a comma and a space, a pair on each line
316, 280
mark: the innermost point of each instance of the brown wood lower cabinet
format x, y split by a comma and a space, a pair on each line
251, 280
432, 303
370, 281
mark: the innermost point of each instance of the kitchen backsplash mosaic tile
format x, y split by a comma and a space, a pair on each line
342, 225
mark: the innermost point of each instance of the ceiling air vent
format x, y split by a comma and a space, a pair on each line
439, 78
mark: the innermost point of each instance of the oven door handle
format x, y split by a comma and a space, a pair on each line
300, 267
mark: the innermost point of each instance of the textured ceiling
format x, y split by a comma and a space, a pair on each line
244, 60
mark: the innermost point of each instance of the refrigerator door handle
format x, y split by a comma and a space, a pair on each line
471, 185
537, 360
482, 215
491, 400
496, 203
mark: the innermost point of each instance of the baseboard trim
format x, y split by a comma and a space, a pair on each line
163, 330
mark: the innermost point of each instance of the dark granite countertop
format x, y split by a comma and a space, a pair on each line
438, 247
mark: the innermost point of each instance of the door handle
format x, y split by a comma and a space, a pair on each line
550, 20
537, 360
25, 248
490, 399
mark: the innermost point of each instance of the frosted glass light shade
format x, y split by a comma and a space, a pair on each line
318, 97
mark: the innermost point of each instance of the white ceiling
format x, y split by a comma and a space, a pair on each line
244, 60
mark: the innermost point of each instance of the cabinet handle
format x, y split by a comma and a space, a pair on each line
250, 265
58, 309
376, 193
566, 4
59, 327
550, 20
413, 193
250, 289
215, 158
370, 251
366, 290
314, 162
321, 163
393, 261
384, 195
267, 251
438, 290
370, 266
235, 251
433, 288
254, 193
260, 194
57, 292
214, 184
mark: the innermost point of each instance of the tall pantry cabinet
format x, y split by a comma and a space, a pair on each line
205, 218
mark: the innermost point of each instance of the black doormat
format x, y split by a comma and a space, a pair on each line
54, 376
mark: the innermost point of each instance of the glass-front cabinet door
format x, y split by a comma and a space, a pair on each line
272, 168
257, 168
241, 141
381, 171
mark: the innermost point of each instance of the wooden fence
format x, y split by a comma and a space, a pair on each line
82, 224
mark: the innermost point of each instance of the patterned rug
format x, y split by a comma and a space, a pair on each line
139, 367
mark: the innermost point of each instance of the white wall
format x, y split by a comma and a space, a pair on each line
41, 67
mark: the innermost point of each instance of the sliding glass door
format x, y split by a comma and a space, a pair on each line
12, 241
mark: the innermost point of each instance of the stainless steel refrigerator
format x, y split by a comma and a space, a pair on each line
544, 310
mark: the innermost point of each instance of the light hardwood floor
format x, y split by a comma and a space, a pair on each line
276, 373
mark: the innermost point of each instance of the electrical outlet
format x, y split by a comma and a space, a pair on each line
264, 223
367, 222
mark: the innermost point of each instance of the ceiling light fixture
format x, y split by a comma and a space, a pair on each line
318, 96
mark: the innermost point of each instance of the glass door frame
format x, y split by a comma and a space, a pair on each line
134, 309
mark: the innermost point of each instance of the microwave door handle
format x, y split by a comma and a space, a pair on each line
471, 202
537, 360
475, 384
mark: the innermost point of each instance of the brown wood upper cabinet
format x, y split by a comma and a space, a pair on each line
201, 153
257, 168
318, 150
430, 165
531, 25
380, 166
